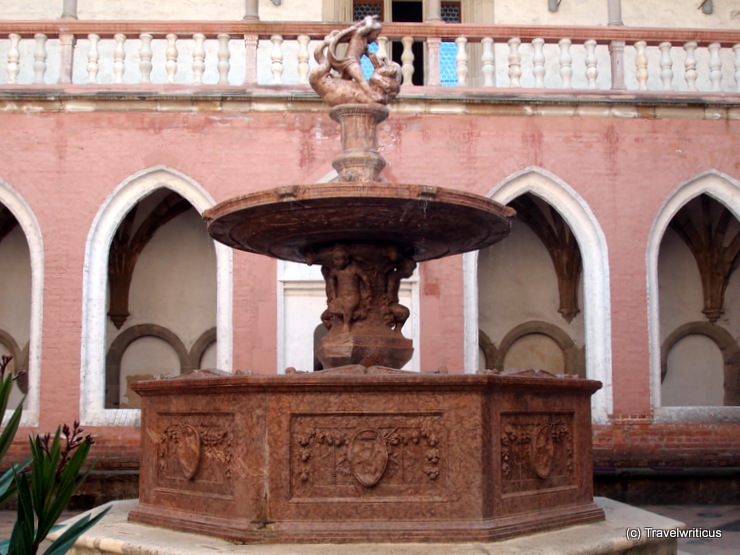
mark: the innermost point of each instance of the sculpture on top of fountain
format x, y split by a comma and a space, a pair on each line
339, 79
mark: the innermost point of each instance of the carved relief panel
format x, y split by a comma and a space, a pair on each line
195, 453
536, 451
360, 455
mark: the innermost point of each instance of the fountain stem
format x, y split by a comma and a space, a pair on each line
359, 159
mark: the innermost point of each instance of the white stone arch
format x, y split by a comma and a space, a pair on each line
725, 190
95, 279
30, 226
596, 300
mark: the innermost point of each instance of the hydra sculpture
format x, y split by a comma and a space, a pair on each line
339, 78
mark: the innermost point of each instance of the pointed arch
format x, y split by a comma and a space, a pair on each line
29, 224
592, 243
106, 222
723, 189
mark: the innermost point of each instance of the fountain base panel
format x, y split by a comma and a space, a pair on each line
361, 454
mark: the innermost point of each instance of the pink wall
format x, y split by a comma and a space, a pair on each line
65, 165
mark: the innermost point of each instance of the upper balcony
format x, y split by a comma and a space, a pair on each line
458, 61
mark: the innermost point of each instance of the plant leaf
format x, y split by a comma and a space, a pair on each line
22, 537
6, 385
68, 483
6, 438
7, 481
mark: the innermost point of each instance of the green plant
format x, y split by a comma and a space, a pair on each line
55, 474
7, 484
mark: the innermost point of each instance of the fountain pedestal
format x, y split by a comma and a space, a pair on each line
360, 454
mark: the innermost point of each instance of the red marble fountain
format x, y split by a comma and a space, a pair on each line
363, 451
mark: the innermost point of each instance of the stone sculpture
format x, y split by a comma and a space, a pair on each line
365, 233
363, 282
364, 451
346, 288
397, 314
339, 79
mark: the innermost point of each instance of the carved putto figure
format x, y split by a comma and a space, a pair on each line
339, 79
396, 313
344, 286
362, 284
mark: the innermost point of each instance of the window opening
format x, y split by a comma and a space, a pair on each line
360, 10
450, 12
411, 12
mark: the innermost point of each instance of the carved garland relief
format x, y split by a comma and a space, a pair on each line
335, 455
536, 451
195, 452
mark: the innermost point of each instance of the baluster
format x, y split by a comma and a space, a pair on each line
14, 56
277, 59
616, 59
382, 47
407, 60
461, 60
433, 64
666, 65
223, 58
515, 61
39, 58
145, 57
538, 59
641, 64
303, 57
251, 42
170, 65
736, 49
489, 62
690, 65
92, 58
715, 66
66, 57
199, 57
119, 58
566, 62
592, 67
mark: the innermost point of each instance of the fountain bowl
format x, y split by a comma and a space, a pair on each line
294, 222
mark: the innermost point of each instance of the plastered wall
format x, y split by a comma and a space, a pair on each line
635, 13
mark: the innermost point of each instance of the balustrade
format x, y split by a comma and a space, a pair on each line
130, 54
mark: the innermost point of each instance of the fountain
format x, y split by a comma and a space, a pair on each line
364, 451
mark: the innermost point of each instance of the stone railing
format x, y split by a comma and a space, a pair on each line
213, 54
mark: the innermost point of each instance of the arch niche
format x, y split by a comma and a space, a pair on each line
30, 356
118, 204
726, 191
596, 304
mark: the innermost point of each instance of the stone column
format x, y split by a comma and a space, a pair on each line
359, 159
433, 15
614, 10
251, 10
616, 47
434, 11
67, 43
69, 9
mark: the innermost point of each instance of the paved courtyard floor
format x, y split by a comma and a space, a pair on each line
724, 518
